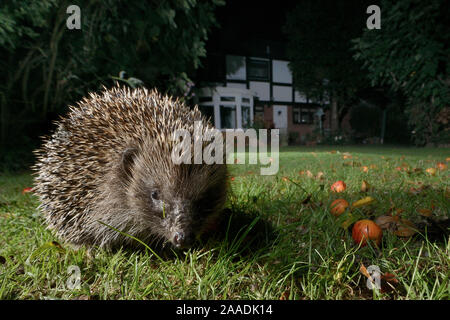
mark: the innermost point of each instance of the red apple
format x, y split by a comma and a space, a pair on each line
364, 230
338, 207
338, 186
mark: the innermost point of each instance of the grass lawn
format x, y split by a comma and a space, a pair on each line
306, 255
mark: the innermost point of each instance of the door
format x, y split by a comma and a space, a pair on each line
280, 116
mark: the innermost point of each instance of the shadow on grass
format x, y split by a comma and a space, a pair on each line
237, 233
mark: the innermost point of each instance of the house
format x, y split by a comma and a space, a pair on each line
242, 91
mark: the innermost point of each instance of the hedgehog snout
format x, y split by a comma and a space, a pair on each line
181, 233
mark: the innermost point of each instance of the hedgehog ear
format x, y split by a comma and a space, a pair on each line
127, 160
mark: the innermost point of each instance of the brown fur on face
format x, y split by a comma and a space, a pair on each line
110, 161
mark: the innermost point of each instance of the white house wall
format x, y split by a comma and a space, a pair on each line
261, 89
281, 71
232, 62
236, 85
282, 93
299, 97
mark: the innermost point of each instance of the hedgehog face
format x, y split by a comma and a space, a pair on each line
166, 205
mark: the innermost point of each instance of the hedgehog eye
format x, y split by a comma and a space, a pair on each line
155, 195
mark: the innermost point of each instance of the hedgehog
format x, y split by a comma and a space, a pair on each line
106, 175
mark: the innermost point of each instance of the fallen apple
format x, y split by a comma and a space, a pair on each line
27, 190
338, 207
338, 186
364, 230
441, 166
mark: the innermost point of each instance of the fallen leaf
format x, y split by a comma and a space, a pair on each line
350, 219
405, 228
386, 222
363, 202
285, 295
365, 186
388, 282
364, 271
365, 169
320, 175
309, 174
425, 212
431, 171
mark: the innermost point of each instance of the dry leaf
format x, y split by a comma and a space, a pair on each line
348, 221
285, 295
365, 186
386, 222
320, 175
309, 174
405, 228
364, 271
388, 282
363, 202
365, 169
425, 212
431, 171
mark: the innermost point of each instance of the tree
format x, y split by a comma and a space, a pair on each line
410, 53
319, 41
48, 66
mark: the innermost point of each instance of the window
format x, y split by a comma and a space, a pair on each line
245, 110
208, 112
228, 117
204, 99
227, 98
258, 69
296, 114
306, 115
303, 114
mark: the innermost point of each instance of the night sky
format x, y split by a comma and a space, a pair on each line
244, 25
